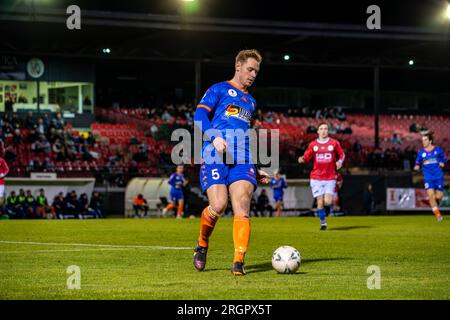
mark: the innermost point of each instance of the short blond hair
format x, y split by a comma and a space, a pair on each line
244, 55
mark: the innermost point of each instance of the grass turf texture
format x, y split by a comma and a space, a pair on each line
413, 253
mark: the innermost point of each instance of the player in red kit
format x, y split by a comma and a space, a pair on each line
3, 172
328, 157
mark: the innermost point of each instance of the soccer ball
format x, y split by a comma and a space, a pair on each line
286, 259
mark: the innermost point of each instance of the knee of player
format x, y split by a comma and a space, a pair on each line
219, 207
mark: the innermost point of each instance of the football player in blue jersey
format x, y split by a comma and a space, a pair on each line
278, 184
226, 108
176, 182
432, 159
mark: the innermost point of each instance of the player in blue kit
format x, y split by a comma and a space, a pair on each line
225, 111
176, 181
432, 159
278, 184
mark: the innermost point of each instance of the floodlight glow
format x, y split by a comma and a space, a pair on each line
448, 11
411, 62
106, 50
286, 57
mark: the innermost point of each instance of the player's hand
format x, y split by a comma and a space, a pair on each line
220, 144
416, 168
301, 159
441, 164
338, 165
262, 176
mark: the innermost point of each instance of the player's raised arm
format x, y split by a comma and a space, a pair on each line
5, 169
341, 155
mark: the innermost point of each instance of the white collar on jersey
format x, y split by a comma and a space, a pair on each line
323, 141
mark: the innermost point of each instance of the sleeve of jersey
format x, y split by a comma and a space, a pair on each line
206, 105
419, 159
340, 152
5, 168
308, 153
443, 157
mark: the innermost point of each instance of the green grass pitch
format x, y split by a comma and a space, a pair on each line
412, 252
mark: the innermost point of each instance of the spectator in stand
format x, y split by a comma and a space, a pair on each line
133, 170
96, 205
311, 129
30, 205
43, 208
142, 154
17, 137
134, 141
34, 165
29, 122
140, 204
40, 127
357, 147
413, 127
10, 155
395, 139
166, 116
59, 121
47, 165
340, 114
58, 205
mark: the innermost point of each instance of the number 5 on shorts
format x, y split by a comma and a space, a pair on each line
215, 174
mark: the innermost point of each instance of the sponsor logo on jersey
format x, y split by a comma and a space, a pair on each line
238, 112
232, 92
324, 156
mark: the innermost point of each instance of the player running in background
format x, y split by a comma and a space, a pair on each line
278, 184
335, 205
176, 181
4, 170
328, 157
228, 107
432, 159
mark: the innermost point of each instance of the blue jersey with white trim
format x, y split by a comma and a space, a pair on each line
278, 185
230, 109
176, 181
429, 161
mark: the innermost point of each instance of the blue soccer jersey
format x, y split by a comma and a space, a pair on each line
278, 186
429, 160
230, 109
176, 183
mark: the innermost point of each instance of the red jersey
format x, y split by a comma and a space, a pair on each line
3, 171
325, 154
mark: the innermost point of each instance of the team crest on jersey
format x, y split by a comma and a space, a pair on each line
424, 155
316, 148
238, 112
330, 148
232, 92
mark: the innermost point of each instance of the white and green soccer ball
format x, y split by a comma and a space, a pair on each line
286, 259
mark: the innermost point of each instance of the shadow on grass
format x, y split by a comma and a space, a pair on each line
348, 228
267, 266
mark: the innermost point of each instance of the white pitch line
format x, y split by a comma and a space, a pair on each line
96, 245
63, 250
